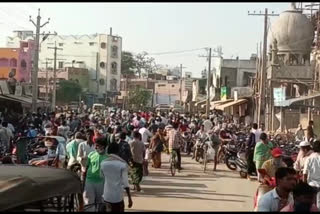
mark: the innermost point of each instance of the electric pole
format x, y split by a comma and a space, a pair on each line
181, 67
54, 92
262, 86
47, 80
209, 80
36, 60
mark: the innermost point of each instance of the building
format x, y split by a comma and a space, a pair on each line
79, 75
232, 73
290, 89
17, 60
100, 54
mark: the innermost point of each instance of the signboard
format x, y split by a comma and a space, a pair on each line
235, 95
223, 93
279, 95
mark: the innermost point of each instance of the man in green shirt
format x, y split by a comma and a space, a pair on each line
262, 152
94, 183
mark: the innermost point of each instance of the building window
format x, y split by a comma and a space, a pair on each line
60, 44
101, 81
23, 64
4, 62
114, 67
113, 85
13, 62
60, 64
91, 43
114, 51
102, 65
103, 45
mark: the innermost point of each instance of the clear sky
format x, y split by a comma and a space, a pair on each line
153, 27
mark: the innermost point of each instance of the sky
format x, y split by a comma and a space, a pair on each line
153, 27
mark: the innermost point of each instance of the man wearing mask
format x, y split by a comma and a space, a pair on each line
280, 196
93, 189
84, 150
269, 168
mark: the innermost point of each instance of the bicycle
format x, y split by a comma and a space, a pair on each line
173, 162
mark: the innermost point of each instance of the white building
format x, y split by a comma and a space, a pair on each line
99, 53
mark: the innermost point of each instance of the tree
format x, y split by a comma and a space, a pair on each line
68, 91
144, 63
139, 98
128, 63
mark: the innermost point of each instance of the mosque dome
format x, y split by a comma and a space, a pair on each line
293, 32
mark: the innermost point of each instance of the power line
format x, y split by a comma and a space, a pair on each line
175, 52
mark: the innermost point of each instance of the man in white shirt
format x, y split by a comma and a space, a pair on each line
281, 196
256, 132
207, 125
115, 172
84, 150
145, 133
311, 171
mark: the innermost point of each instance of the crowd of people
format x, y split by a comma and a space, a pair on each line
114, 146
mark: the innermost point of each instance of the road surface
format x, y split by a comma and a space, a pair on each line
194, 190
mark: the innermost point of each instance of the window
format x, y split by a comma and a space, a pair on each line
102, 65
172, 86
161, 85
114, 51
91, 43
23, 64
113, 85
101, 81
103, 45
13, 62
60, 44
4, 62
114, 67
78, 43
60, 64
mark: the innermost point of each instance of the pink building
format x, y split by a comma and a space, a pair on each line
18, 61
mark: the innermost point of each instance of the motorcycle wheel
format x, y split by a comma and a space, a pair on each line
231, 166
243, 174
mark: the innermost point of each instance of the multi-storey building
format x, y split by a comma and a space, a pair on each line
99, 53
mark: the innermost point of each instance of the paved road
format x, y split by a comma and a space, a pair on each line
193, 190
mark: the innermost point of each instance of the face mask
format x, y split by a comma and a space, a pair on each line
277, 161
302, 207
101, 151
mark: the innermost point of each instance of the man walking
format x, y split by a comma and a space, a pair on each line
114, 170
138, 152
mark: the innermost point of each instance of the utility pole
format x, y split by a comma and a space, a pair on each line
262, 86
36, 60
181, 67
54, 92
47, 80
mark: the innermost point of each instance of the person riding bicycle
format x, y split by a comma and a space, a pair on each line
201, 135
175, 140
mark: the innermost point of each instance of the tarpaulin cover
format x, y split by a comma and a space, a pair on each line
22, 184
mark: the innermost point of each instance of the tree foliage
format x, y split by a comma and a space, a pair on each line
139, 98
128, 63
68, 91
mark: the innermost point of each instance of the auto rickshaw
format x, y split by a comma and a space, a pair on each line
27, 188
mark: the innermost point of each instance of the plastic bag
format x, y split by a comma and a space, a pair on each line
210, 153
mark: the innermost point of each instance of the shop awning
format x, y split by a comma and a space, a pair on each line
288, 102
229, 104
22, 99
